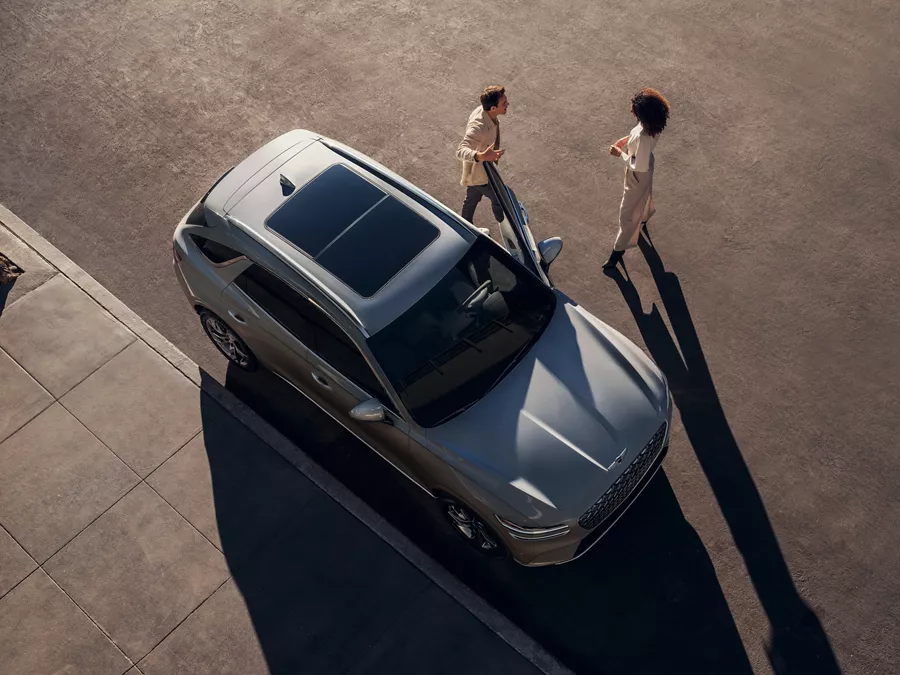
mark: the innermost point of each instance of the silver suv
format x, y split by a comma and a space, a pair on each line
452, 356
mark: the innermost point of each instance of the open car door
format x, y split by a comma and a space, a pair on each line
517, 237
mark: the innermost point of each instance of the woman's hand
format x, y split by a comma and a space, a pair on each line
615, 151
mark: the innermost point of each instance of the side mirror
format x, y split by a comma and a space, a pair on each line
549, 249
368, 411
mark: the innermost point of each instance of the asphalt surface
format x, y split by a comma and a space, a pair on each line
769, 296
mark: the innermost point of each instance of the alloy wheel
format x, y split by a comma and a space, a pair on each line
473, 529
227, 341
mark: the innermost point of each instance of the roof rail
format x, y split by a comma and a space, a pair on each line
343, 306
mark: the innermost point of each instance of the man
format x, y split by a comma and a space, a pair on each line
482, 144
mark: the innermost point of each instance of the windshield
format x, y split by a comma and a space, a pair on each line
447, 351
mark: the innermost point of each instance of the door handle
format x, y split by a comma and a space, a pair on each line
236, 317
321, 380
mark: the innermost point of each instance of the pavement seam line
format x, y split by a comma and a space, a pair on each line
36, 563
84, 379
106, 510
184, 518
89, 617
493, 619
37, 414
132, 488
230, 576
110, 507
100, 295
93, 520
188, 616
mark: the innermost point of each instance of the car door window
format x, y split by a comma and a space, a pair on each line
516, 234
333, 345
313, 327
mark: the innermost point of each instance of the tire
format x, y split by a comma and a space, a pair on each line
227, 341
472, 529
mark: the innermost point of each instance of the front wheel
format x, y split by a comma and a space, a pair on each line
468, 525
227, 341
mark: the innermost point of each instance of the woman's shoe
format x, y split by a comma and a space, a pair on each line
614, 259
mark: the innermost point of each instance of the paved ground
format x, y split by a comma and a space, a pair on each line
145, 528
770, 299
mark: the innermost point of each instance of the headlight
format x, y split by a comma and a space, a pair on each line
532, 533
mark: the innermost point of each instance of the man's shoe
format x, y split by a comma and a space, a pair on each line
614, 259
485, 231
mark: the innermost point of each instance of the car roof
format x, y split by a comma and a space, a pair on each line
362, 234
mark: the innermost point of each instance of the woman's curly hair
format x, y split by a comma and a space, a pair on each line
652, 109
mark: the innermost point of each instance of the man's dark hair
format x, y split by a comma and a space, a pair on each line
491, 96
652, 109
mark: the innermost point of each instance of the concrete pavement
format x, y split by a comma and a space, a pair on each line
149, 523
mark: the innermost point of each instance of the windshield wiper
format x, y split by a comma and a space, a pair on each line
509, 366
512, 364
456, 412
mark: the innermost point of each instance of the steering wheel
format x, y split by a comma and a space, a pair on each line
481, 290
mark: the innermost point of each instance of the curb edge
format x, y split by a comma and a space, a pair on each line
494, 620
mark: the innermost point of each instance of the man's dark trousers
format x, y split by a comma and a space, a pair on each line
474, 193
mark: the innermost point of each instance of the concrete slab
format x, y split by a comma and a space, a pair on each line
60, 336
438, 637
230, 485
15, 563
139, 406
138, 570
37, 270
23, 397
37, 612
55, 478
229, 644
309, 598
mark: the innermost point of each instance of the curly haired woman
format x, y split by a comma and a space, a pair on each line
652, 111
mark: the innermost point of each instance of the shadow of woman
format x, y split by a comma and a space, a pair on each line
798, 643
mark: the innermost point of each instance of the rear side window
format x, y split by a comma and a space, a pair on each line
214, 251
279, 300
312, 327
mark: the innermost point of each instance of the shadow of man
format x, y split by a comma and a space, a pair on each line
586, 613
798, 642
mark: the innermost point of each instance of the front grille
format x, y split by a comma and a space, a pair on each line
619, 491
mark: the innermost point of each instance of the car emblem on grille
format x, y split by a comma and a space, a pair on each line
622, 456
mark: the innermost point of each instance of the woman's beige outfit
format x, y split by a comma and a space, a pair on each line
637, 200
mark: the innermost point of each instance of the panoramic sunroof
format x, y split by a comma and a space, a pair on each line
352, 229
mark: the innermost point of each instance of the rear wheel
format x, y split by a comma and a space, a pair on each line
227, 341
469, 525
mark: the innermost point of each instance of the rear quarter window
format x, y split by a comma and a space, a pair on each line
214, 251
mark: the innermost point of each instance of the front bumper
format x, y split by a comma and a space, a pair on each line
579, 540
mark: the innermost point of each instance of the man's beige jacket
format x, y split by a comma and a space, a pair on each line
481, 133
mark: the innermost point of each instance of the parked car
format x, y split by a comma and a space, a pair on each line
451, 355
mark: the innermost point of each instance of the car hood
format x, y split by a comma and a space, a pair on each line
547, 438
